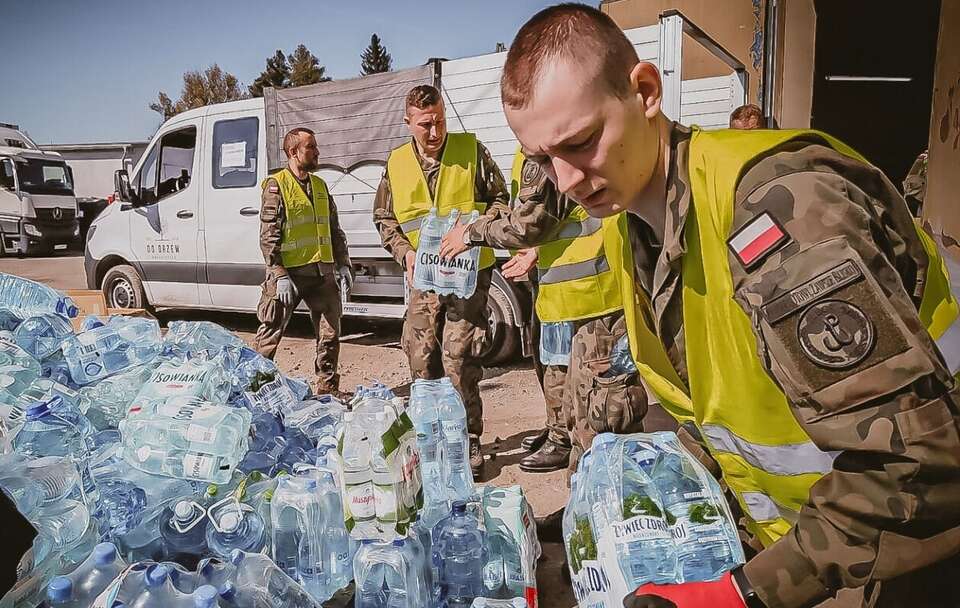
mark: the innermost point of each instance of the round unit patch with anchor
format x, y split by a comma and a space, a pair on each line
835, 334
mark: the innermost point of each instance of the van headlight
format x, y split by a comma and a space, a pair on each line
31, 230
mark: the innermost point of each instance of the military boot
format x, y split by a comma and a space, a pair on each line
551, 457
532, 443
476, 458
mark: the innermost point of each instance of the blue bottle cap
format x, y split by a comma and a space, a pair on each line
156, 575
37, 410
398, 542
104, 554
228, 590
205, 597
60, 589
459, 506
236, 556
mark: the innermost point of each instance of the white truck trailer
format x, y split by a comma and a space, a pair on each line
186, 232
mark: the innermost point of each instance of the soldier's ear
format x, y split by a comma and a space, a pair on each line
645, 83
406, 120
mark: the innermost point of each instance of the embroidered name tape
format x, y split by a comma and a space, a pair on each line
758, 238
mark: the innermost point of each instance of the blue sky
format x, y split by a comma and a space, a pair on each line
86, 70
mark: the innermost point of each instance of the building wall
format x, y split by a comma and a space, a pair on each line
737, 25
793, 88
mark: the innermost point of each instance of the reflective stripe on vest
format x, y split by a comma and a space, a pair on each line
766, 457
576, 281
455, 187
306, 235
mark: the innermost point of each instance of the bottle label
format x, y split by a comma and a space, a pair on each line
361, 501
385, 501
697, 522
453, 431
641, 528
590, 585
197, 433
197, 466
187, 409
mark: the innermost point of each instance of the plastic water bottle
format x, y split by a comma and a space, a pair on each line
428, 251
106, 402
210, 571
9, 319
159, 591
645, 547
205, 596
389, 575
25, 297
188, 424
191, 338
110, 349
235, 526
41, 335
621, 360
12, 354
445, 277
555, 342
456, 443
45, 433
203, 379
258, 582
425, 415
359, 503
298, 522
183, 527
317, 416
14, 380
385, 480
459, 555
84, 584
121, 506
700, 531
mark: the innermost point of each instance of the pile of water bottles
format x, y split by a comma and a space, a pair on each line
643, 510
183, 469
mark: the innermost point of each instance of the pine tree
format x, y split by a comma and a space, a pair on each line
213, 85
277, 75
305, 68
375, 58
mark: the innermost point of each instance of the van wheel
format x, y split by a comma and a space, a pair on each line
503, 336
123, 288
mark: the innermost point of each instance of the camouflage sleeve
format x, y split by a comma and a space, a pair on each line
834, 305
271, 228
391, 235
538, 211
341, 253
490, 186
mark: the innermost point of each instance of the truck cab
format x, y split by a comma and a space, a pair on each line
38, 209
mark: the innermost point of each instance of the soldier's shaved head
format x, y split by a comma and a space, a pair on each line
577, 33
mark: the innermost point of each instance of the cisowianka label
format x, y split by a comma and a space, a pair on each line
197, 466
187, 409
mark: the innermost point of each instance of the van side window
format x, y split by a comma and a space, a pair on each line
176, 161
235, 152
146, 180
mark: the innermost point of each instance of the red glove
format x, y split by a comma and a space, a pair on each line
722, 593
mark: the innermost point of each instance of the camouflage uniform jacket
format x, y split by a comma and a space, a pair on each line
489, 188
891, 504
272, 217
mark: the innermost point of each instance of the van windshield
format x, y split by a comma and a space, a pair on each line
40, 176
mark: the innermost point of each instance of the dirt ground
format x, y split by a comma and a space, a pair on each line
513, 404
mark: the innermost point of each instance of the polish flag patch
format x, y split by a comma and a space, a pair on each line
760, 237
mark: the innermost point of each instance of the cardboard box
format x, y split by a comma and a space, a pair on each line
92, 302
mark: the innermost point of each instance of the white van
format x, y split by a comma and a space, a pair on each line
38, 210
185, 232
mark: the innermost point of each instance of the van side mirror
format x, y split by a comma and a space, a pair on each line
121, 185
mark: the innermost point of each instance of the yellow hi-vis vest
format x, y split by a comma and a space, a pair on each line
306, 229
766, 457
454, 188
576, 280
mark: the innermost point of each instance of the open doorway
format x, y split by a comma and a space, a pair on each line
873, 77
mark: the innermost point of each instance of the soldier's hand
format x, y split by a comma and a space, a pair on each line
409, 260
286, 292
345, 277
519, 265
453, 243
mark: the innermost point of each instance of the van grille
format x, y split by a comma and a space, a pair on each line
46, 215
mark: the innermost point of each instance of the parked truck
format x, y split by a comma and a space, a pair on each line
38, 210
185, 233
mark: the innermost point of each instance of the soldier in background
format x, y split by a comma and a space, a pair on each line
306, 257
747, 117
442, 335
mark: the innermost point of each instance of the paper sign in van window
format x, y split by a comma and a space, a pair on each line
233, 154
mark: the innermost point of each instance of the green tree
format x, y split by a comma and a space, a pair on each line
213, 85
375, 58
305, 68
276, 75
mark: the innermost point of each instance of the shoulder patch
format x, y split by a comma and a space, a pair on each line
273, 188
760, 237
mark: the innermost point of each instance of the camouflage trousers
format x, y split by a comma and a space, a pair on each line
445, 336
321, 294
595, 403
554, 384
